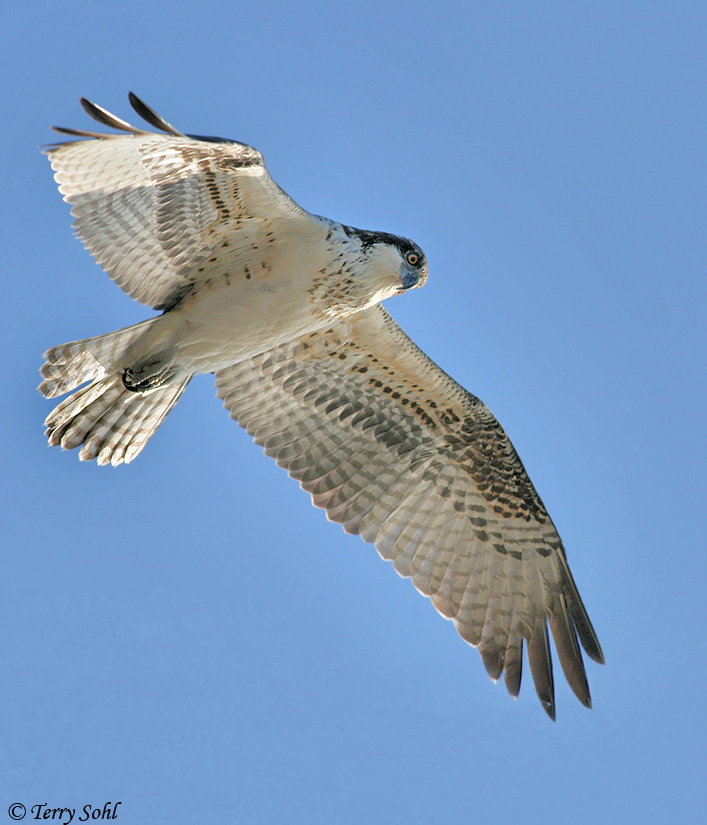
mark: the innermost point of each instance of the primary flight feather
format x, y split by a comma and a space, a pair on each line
285, 308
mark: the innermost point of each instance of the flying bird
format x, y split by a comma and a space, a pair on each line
284, 307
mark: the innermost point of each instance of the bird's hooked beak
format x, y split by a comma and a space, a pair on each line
409, 277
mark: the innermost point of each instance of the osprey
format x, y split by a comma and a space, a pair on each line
284, 307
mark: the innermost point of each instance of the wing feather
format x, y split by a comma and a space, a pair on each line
103, 116
396, 451
540, 662
568, 651
513, 665
160, 212
149, 115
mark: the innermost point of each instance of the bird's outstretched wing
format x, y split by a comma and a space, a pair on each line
155, 208
396, 451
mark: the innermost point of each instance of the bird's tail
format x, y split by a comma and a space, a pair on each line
110, 422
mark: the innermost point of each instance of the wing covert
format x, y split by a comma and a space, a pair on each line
396, 451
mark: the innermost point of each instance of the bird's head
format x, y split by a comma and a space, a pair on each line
394, 264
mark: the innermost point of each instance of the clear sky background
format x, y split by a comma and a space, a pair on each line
187, 634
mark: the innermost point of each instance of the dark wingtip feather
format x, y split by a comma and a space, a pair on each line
64, 130
513, 670
586, 634
541, 668
580, 617
149, 115
568, 652
585, 631
107, 119
492, 658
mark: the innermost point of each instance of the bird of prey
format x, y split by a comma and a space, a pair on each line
284, 307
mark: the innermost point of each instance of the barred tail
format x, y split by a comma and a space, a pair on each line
111, 422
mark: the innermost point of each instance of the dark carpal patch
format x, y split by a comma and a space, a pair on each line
175, 298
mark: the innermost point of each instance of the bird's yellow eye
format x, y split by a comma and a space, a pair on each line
412, 258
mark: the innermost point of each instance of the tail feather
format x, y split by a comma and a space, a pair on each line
109, 422
126, 431
70, 365
70, 424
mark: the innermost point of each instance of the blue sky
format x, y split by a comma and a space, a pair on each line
187, 634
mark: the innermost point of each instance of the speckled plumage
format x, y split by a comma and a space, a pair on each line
284, 307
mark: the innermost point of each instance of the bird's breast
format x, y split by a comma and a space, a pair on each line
243, 313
